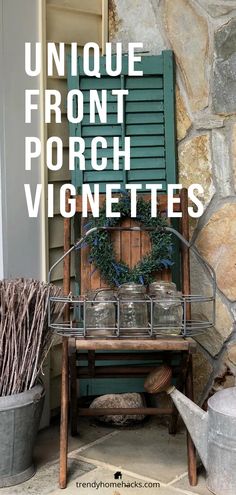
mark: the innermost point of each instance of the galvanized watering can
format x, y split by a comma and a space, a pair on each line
213, 432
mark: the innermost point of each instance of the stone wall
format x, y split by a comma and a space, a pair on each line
202, 34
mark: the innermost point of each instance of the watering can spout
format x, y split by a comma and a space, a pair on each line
195, 419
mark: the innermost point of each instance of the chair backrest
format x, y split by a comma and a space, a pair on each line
129, 246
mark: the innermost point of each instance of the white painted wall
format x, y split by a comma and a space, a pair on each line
22, 239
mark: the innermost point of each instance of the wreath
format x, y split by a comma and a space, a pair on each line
102, 254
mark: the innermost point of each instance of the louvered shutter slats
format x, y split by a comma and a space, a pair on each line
148, 120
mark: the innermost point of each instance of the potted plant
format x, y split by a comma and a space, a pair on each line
24, 343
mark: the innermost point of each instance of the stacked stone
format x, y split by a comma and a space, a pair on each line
202, 34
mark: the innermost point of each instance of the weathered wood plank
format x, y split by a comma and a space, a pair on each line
175, 344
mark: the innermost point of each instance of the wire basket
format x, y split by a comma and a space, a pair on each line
71, 320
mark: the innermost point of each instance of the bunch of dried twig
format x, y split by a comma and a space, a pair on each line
24, 334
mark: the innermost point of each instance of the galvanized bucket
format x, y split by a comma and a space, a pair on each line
221, 465
19, 421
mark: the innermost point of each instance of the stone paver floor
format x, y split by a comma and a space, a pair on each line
143, 460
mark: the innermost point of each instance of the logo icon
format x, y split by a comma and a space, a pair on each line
118, 475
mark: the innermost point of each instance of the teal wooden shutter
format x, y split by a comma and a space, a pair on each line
148, 119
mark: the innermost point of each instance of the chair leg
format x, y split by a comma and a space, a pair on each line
192, 462
180, 386
173, 421
64, 415
73, 395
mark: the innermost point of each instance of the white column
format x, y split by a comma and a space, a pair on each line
2, 154
22, 240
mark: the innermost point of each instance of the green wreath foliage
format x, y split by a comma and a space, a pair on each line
102, 254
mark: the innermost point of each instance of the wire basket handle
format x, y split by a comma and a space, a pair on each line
177, 234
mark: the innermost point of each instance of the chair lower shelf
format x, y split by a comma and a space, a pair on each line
151, 411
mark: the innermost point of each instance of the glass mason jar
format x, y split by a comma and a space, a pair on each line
133, 314
167, 308
101, 311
